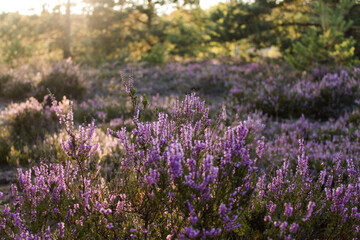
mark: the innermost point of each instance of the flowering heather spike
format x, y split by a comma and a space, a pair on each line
260, 147
294, 227
191, 232
288, 209
322, 177
283, 226
61, 229
175, 160
351, 168
127, 83
302, 166
310, 208
79, 145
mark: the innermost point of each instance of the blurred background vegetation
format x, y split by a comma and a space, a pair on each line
303, 33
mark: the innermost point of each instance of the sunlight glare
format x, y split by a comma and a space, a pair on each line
29, 7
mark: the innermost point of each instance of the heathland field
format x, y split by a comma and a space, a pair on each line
187, 150
179, 119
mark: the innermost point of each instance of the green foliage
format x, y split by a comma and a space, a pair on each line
156, 55
186, 40
15, 50
305, 32
238, 20
327, 42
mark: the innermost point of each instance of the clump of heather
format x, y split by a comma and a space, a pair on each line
177, 177
208, 78
301, 204
102, 109
4, 79
193, 180
291, 95
15, 88
62, 79
23, 124
324, 141
65, 200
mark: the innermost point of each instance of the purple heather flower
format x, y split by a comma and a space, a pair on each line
61, 229
322, 177
288, 237
329, 181
277, 223
354, 211
110, 226
153, 176
310, 207
175, 157
191, 232
193, 220
271, 206
222, 209
108, 211
294, 227
213, 232
260, 147
288, 210
357, 229
267, 218
302, 164
283, 226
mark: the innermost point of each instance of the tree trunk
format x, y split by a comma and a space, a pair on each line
67, 32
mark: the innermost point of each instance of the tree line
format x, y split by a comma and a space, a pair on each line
303, 32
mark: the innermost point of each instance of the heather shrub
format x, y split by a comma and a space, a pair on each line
4, 79
318, 96
167, 182
25, 124
4, 150
25, 121
20, 81
17, 89
181, 78
334, 95
102, 109
62, 79
298, 203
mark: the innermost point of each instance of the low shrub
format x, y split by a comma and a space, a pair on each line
4, 150
18, 90
4, 79
26, 124
63, 79
289, 96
